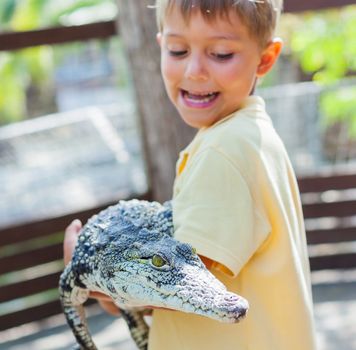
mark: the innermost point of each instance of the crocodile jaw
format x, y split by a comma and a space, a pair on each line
197, 292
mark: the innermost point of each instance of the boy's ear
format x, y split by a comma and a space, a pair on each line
269, 56
159, 38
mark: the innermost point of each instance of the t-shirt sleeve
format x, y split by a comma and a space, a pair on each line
213, 210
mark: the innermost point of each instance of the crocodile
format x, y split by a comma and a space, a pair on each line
128, 252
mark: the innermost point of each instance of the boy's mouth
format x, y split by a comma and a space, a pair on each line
199, 100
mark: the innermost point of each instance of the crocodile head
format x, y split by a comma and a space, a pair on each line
140, 266
170, 274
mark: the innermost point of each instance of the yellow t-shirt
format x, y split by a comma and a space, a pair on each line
236, 201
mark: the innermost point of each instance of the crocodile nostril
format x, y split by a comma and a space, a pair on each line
231, 298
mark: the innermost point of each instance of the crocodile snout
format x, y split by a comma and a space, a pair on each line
233, 308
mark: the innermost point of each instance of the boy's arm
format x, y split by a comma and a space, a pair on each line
207, 262
219, 214
212, 264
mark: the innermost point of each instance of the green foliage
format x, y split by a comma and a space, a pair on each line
17, 72
339, 106
324, 45
24, 15
30, 67
7, 10
27, 14
12, 97
58, 11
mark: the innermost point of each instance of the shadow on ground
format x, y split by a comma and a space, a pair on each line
109, 333
335, 315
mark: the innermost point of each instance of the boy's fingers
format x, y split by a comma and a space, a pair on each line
109, 307
70, 239
106, 303
99, 296
74, 226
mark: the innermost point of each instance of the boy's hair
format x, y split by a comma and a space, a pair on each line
260, 16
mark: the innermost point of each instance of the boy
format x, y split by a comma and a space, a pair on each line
235, 194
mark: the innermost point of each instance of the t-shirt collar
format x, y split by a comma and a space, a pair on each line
251, 103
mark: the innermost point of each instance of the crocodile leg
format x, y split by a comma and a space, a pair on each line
137, 326
72, 298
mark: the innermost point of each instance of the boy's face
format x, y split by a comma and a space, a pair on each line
209, 68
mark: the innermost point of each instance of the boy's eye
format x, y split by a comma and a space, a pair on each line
223, 57
177, 53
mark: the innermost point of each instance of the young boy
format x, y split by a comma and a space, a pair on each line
235, 195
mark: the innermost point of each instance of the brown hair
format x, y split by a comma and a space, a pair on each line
260, 16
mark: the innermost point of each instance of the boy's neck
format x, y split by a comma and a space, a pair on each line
253, 88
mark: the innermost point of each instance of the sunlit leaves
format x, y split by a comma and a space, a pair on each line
325, 44
27, 15
39, 62
12, 95
6, 11
31, 67
17, 72
340, 106
81, 11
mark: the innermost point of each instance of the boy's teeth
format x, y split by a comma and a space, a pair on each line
200, 97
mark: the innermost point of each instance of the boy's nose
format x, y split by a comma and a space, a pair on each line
195, 69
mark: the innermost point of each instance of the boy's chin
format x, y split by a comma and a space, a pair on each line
199, 120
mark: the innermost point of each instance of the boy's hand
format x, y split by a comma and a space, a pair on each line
70, 240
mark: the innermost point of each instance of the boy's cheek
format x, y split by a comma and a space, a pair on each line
170, 72
169, 87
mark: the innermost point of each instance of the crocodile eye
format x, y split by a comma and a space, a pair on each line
158, 261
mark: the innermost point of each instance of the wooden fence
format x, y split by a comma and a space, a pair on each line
331, 197
103, 30
36, 267
329, 207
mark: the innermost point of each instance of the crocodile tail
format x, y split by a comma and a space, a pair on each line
72, 299
137, 326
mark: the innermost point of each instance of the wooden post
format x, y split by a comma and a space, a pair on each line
163, 132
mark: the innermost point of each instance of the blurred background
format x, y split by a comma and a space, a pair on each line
83, 123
